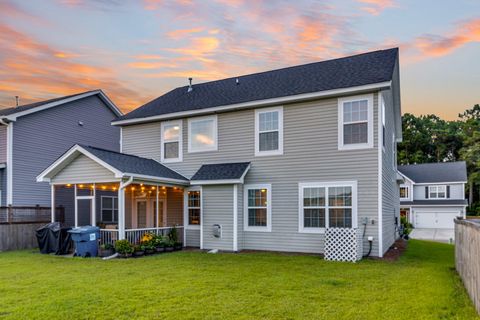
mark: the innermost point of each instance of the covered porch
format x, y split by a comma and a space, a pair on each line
124, 195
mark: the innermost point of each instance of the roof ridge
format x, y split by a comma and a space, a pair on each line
117, 152
290, 67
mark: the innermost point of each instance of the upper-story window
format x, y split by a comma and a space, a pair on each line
355, 126
269, 131
202, 134
171, 140
404, 192
437, 192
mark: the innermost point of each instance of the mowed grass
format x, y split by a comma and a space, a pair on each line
193, 285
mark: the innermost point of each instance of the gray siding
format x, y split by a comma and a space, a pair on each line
43, 136
310, 155
456, 191
3, 143
83, 170
390, 188
218, 209
192, 238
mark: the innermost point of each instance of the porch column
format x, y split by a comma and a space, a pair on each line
76, 204
94, 206
157, 209
52, 204
121, 213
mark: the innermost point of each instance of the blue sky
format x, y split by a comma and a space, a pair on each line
138, 50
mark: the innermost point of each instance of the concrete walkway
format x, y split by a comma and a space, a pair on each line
439, 235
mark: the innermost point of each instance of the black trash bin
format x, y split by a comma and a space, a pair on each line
52, 238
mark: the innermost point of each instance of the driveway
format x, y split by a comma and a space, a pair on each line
438, 235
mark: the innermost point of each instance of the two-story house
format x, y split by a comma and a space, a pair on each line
433, 194
266, 161
33, 135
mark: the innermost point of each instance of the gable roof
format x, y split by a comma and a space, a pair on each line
12, 113
221, 173
121, 164
436, 172
358, 71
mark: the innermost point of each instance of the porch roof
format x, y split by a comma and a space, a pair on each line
120, 164
220, 173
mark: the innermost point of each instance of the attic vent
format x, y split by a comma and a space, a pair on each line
190, 85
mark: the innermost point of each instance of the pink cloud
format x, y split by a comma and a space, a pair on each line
375, 7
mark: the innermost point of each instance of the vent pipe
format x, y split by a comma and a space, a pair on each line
190, 85
16, 101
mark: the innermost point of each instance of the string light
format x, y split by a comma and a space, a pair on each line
80, 185
105, 187
69, 184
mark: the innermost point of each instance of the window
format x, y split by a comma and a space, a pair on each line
193, 207
404, 192
269, 131
171, 141
109, 209
258, 206
437, 192
326, 205
355, 125
202, 134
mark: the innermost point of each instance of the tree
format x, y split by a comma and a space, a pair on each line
470, 151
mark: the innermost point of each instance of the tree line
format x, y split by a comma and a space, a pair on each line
428, 138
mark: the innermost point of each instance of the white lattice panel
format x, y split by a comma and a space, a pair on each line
343, 244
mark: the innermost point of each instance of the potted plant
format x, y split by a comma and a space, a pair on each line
138, 251
159, 244
124, 248
147, 243
149, 247
169, 245
106, 250
173, 236
406, 228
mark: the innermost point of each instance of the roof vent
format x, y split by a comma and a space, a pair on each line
237, 82
190, 85
16, 101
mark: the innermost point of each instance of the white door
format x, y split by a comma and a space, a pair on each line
435, 219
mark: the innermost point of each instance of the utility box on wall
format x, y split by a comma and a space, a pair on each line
217, 230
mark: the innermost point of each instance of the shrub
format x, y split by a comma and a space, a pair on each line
123, 247
173, 235
406, 226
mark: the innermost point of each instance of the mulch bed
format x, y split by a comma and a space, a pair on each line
396, 250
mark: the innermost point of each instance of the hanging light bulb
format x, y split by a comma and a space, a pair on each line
104, 187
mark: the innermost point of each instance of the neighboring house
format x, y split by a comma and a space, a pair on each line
433, 194
267, 161
34, 135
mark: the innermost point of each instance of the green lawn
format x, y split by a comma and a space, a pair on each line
421, 285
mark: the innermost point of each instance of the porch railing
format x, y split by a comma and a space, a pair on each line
32, 214
135, 235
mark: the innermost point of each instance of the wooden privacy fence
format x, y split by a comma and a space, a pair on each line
24, 215
467, 256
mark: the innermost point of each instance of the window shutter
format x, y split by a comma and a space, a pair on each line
426, 192
448, 192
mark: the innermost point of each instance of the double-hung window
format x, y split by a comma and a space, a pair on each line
269, 131
171, 141
327, 205
404, 192
258, 207
355, 125
437, 192
193, 207
109, 209
202, 134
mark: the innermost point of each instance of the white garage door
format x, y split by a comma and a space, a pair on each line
439, 220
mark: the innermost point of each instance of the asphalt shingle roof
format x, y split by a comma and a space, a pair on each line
436, 172
363, 69
222, 171
9, 111
460, 202
133, 164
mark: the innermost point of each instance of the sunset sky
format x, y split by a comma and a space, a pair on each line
137, 50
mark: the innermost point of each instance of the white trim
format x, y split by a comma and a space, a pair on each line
213, 118
76, 205
10, 164
409, 191
370, 126
259, 153
259, 103
380, 180
93, 217
413, 182
268, 227
52, 203
326, 185
201, 218
179, 123
186, 207
439, 183
235, 217
103, 96
226, 181
158, 180
113, 208
434, 205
